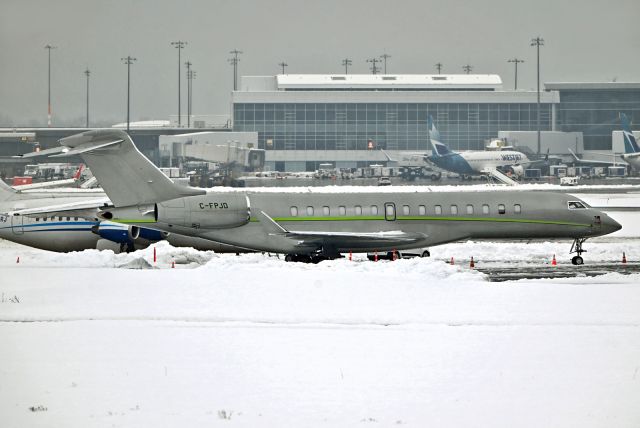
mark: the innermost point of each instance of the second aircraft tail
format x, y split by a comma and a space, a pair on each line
630, 144
439, 148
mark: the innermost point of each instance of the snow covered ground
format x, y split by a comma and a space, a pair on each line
96, 339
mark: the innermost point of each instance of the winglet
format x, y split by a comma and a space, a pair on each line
270, 224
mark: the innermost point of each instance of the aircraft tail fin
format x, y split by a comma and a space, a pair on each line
6, 191
125, 174
439, 148
630, 144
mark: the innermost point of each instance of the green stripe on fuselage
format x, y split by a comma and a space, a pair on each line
427, 218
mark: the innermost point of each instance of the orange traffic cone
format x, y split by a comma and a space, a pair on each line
154, 254
173, 264
553, 261
624, 258
451, 262
472, 264
375, 256
350, 255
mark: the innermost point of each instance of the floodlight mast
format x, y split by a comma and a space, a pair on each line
346, 63
49, 113
179, 45
537, 42
516, 61
234, 61
128, 61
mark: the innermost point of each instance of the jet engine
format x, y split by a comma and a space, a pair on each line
518, 170
127, 235
212, 211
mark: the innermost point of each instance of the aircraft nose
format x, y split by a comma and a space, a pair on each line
609, 225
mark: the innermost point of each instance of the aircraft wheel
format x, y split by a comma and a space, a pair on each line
426, 253
289, 258
577, 260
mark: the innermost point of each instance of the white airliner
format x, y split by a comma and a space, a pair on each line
631, 153
474, 162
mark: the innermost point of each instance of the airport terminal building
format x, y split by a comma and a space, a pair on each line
304, 120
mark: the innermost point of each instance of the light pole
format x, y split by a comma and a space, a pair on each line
234, 61
179, 45
49, 47
384, 57
439, 67
188, 65
283, 65
87, 73
467, 68
374, 67
191, 76
537, 42
346, 63
516, 61
128, 61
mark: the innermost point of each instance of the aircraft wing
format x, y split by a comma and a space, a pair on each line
344, 240
349, 240
593, 161
85, 209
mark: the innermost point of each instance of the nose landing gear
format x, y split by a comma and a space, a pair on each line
577, 248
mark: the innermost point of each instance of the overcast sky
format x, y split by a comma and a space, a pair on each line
588, 40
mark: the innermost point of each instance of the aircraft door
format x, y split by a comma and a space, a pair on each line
16, 225
390, 211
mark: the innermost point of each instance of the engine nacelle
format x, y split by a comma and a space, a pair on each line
132, 214
518, 170
212, 211
123, 234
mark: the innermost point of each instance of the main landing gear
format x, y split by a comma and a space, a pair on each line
577, 248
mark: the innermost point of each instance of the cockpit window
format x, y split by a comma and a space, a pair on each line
575, 205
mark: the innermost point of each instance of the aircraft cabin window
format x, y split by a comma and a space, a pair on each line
75, 218
59, 218
517, 208
44, 219
68, 218
374, 210
454, 209
469, 209
501, 209
294, 211
326, 211
575, 205
309, 211
485, 209
422, 210
406, 210
342, 210
358, 210
390, 210
438, 209
37, 218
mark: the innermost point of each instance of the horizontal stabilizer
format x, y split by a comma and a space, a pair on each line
125, 174
46, 152
84, 209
